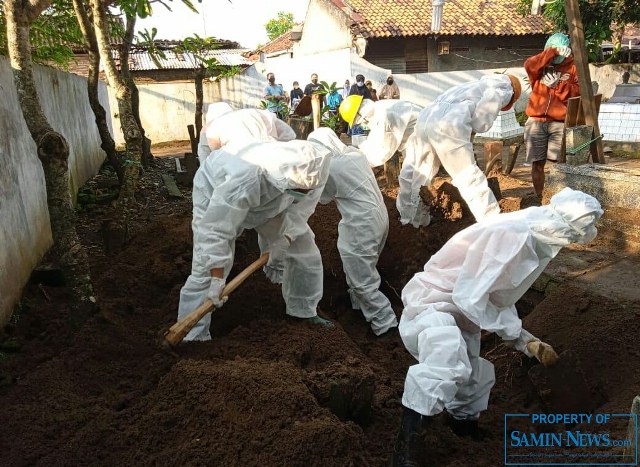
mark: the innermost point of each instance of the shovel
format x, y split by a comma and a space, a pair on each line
176, 333
560, 381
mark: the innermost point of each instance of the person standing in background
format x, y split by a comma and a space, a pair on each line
372, 91
359, 89
296, 95
312, 86
389, 90
273, 94
554, 79
346, 89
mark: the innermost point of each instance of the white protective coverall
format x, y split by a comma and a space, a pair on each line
246, 125
472, 284
214, 110
391, 122
442, 135
363, 229
245, 189
225, 125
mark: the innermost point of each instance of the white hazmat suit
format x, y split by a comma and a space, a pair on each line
250, 189
225, 126
391, 122
442, 135
472, 284
215, 110
363, 229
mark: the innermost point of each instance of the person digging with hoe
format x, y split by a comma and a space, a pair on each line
272, 187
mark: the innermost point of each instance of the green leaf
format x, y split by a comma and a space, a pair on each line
189, 5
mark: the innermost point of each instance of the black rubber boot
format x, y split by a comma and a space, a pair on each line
318, 320
466, 428
409, 448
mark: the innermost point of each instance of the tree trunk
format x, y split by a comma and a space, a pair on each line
199, 78
147, 156
125, 73
108, 144
118, 228
53, 153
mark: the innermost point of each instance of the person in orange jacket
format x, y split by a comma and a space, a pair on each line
554, 79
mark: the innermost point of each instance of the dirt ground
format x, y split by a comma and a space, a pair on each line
266, 390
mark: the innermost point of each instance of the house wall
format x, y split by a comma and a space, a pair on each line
420, 54
25, 232
483, 52
326, 28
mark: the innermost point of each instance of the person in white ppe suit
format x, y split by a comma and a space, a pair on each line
363, 229
225, 125
442, 136
272, 187
470, 285
215, 110
390, 124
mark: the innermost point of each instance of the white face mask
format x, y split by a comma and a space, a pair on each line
360, 83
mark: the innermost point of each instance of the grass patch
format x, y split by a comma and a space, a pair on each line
625, 153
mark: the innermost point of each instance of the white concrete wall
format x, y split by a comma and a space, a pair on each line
326, 28
423, 88
167, 108
25, 233
608, 76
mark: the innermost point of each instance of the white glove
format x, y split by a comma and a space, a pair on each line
215, 289
521, 342
563, 51
422, 217
551, 79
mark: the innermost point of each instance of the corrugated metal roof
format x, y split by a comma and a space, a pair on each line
141, 60
230, 57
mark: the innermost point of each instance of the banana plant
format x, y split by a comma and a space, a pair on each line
280, 108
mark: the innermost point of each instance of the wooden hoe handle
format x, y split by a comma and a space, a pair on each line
176, 333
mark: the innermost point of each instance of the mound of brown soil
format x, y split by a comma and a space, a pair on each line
266, 390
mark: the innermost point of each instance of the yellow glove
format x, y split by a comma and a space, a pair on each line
543, 352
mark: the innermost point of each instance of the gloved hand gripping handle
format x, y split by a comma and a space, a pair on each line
176, 333
543, 352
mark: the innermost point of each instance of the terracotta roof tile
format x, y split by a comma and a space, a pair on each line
397, 18
282, 42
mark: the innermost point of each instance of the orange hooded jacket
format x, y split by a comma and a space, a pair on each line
550, 104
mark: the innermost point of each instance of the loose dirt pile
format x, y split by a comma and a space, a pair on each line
266, 390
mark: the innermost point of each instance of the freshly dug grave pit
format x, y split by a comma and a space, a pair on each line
266, 390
